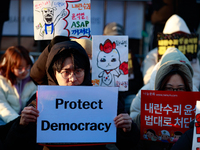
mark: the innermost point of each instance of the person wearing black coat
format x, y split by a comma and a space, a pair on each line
185, 141
47, 71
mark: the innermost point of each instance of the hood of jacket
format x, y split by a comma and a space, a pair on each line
173, 58
175, 24
46, 71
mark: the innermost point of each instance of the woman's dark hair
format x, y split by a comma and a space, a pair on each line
11, 59
171, 73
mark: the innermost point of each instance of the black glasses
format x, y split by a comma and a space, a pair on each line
66, 74
175, 89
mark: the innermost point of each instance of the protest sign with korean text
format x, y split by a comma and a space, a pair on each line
69, 18
165, 115
196, 132
110, 61
76, 114
186, 43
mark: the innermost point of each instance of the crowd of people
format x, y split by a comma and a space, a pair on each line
66, 62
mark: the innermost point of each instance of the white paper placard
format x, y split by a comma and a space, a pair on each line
110, 61
76, 114
64, 17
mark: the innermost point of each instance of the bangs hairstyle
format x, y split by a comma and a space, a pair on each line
12, 59
171, 73
77, 60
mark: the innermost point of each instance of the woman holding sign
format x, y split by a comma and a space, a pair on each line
172, 73
172, 62
67, 64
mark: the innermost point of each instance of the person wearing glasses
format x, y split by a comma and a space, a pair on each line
16, 86
172, 73
67, 64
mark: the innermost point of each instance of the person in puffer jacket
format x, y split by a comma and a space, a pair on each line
16, 86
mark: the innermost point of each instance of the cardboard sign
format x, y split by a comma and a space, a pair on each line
166, 115
186, 43
196, 135
64, 17
110, 61
76, 114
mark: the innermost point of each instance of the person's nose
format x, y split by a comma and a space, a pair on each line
72, 78
22, 70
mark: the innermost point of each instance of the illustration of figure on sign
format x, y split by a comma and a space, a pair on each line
150, 134
177, 135
165, 136
48, 27
108, 60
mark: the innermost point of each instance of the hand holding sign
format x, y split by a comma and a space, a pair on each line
29, 114
123, 121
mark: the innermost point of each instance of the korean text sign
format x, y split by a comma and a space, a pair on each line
165, 115
61, 17
110, 61
186, 43
76, 114
196, 135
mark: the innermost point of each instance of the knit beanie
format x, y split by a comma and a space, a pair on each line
113, 28
174, 59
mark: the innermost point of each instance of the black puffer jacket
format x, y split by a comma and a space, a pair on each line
185, 141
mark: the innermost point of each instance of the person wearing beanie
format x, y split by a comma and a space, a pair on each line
173, 25
113, 28
172, 73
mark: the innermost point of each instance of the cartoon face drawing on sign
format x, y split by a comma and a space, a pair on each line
48, 13
108, 60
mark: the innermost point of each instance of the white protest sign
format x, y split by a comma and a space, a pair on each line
110, 61
196, 133
61, 17
76, 114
